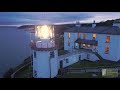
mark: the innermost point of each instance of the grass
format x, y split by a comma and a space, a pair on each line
27, 60
62, 52
8, 73
80, 75
98, 56
24, 73
87, 63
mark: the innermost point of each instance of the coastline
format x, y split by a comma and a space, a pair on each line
9, 72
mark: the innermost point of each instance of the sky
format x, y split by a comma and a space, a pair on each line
20, 18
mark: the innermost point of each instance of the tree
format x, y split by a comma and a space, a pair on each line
8, 73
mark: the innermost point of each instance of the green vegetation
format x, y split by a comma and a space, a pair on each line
27, 60
61, 28
101, 59
27, 71
8, 73
24, 73
59, 39
87, 63
107, 23
87, 25
80, 75
26, 26
84, 64
62, 52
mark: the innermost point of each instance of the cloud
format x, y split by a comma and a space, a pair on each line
18, 18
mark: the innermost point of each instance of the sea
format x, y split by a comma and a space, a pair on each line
14, 47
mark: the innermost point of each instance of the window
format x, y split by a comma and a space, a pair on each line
67, 61
52, 54
68, 43
108, 39
76, 44
32, 63
94, 36
88, 56
34, 54
88, 45
94, 47
68, 35
107, 49
83, 45
78, 35
35, 73
84, 36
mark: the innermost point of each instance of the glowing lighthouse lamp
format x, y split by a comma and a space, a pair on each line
45, 53
45, 36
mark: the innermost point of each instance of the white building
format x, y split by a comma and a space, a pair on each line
45, 53
91, 43
101, 39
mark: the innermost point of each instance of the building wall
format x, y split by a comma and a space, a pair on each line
54, 64
116, 24
75, 58
66, 47
42, 63
118, 47
73, 38
114, 46
92, 57
71, 60
101, 38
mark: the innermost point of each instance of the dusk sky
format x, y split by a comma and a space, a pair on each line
20, 18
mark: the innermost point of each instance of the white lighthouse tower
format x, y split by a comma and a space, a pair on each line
45, 53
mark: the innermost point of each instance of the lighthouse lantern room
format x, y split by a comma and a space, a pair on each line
45, 53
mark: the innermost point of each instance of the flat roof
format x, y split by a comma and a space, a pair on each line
84, 41
113, 30
33, 46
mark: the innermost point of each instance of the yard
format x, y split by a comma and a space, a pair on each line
81, 75
24, 73
87, 63
27, 71
62, 52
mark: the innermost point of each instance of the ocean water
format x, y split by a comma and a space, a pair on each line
14, 47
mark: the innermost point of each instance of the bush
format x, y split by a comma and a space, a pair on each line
8, 73
62, 52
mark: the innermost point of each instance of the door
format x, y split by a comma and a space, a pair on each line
79, 46
88, 56
79, 57
61, 64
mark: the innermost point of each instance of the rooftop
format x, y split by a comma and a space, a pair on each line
84, 41
113, 30
33, 46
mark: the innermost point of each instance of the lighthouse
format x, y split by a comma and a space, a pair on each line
45, 53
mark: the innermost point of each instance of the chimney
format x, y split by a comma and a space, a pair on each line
78, 25
93, 24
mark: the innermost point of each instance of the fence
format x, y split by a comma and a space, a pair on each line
87, 69
13, 75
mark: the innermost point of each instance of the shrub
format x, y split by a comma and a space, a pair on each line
8, 73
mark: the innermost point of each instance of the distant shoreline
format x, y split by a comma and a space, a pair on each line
8, 26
